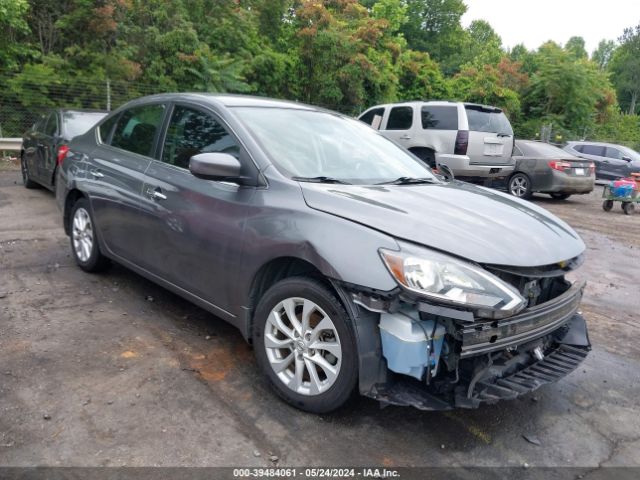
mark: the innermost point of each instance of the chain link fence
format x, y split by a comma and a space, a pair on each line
22, 102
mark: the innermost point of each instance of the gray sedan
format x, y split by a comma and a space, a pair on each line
343, 260
543, 168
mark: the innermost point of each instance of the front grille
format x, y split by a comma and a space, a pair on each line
487, 336
536, 290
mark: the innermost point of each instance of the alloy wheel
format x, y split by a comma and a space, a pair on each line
82, 234
303, 346
519, 186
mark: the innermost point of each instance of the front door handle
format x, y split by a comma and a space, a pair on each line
96, 173
156, 194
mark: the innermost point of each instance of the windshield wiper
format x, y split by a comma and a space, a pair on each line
504, 134
320, 179
408, 181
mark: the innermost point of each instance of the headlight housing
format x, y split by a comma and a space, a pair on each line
448, 280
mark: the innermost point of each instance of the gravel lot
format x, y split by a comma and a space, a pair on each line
111, 370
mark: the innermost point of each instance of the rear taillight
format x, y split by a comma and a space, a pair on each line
462, 142
559, 165
592, 168
62, 153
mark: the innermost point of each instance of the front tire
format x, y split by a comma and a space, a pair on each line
304, 342
520, 186
84, 239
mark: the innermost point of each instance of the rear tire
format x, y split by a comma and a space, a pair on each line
26, 180
520, 186
312, 364
607, 205
560, 196
84, 239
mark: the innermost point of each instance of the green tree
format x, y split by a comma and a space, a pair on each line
574, 93
576, 48
434, 26
625, 66
15, 31
603, 54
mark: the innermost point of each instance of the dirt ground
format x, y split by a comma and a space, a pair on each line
110, 370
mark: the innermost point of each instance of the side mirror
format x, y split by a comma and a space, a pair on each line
626, 159
215, 166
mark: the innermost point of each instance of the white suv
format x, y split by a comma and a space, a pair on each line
474, 141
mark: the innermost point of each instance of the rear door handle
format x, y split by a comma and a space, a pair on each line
405, 137
96, 173
156, 194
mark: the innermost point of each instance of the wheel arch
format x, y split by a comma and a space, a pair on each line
72, 197
275, 270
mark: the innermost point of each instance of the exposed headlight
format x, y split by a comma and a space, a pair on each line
446, 279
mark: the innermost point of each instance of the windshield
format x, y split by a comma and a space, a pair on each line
632, 154
306, 144
77, 123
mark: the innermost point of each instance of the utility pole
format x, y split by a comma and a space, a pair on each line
108, 95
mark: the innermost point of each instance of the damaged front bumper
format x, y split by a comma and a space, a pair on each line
496, 359
512, 377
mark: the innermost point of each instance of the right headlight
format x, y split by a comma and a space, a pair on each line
446, 279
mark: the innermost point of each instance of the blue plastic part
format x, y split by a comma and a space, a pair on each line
411, 355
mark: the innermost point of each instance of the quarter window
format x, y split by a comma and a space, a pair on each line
371, 115
439, 117
192, 132
136, 129
106, 128
400, 118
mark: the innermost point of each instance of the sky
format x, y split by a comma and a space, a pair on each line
533, 22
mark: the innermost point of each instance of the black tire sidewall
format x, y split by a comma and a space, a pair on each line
96, 261
313, 290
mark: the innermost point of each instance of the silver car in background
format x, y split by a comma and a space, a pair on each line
612, 161
544, 168
474, 141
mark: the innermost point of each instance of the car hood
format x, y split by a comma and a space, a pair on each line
472, 222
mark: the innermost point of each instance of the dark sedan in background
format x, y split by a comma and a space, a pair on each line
543, 168
612, 161
45, 145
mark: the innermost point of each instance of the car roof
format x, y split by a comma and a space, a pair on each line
588, 142
226, 100
443, 103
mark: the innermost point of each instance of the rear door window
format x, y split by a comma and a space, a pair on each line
439, 117
593, 150
137, 128
488, 120
192, 132
371, 115
400, 118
